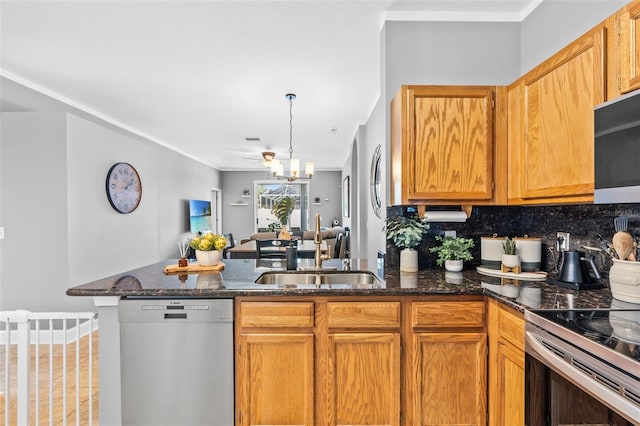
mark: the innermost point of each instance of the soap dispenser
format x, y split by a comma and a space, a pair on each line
292, 256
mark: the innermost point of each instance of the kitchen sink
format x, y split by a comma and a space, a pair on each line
338, 279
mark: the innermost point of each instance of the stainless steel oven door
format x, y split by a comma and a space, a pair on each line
609, 385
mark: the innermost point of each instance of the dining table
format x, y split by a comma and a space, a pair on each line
247, 250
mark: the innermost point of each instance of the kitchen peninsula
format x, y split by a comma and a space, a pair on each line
401, 346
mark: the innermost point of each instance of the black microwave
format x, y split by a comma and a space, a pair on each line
617, 150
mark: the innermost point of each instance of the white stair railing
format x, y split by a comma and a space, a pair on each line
31, 338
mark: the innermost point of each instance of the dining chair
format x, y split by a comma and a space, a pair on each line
339, 243
297, 233
344, 246
230, 244
271, 249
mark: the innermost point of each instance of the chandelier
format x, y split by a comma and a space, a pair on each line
277, 168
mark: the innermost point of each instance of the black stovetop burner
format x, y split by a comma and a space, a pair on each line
594, 285
617, 329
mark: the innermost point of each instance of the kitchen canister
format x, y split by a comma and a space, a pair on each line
530, 251
624, 280
491, 251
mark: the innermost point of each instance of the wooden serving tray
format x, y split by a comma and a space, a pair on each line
525, 276
191, 268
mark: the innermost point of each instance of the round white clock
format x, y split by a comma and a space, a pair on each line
124, 188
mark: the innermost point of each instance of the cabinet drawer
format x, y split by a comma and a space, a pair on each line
447, 314
277, 314
511, 326
363, 314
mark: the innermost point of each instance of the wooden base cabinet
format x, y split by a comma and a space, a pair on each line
361, 361
506, 366
364, 379
449, 378
446, 370
275, 363
281, 388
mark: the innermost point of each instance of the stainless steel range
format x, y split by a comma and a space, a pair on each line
596, 350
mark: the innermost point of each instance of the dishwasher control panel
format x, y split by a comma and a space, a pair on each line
145, 310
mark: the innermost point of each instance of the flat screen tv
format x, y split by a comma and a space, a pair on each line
199, 215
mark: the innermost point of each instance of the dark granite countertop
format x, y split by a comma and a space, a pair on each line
239, 275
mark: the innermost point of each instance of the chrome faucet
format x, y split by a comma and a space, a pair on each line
317, 240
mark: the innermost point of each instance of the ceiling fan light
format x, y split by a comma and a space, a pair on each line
268, 155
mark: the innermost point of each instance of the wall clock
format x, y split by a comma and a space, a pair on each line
124, 188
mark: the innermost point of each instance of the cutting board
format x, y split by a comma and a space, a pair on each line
525, 276
192, 268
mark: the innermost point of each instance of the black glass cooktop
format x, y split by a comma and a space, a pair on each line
617, 329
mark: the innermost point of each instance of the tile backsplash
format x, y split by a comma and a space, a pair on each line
584, 223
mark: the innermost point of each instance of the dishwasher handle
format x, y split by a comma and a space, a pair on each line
175, 316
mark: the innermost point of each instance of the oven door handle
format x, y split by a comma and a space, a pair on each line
565, 367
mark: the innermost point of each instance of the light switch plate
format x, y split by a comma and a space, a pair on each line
1, 232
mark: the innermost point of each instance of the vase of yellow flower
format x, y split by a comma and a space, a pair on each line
208, 247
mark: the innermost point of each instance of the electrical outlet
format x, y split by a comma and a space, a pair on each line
562, 241
1, 232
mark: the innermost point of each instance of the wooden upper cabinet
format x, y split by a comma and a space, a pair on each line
551, 124
629, 47
442, 145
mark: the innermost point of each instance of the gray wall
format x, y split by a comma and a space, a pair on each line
444, 53
556, 23
469, 53
239, 220
464, 53
60, 229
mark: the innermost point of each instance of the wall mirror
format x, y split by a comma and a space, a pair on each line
375, 184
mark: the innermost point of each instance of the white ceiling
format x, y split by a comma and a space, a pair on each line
201, 76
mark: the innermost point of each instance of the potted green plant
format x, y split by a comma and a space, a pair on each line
282, 209
452, 252
406, 232
510, 258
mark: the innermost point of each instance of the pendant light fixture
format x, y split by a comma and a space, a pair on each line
277, 168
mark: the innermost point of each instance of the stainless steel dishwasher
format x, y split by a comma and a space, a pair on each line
177, 362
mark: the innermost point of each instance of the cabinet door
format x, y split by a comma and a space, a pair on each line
442, 144
449, 379
553, 149
506, 367
629, 49
276, 379
510, 385
363, 379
